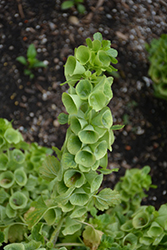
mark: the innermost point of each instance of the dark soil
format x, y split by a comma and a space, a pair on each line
34, 105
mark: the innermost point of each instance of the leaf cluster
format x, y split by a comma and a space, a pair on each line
19, 180
136, 227
157, 55
31, 62
74, 3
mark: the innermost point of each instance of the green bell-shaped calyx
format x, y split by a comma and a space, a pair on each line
73, 70
73, 144
7, 179
99, 149
130, 239
97, 100
3, 162
103, 118
77, 124
82, 53
83, 89
18, 200
88, 135
20, 177
85, 157
141, 220
71, 102
74, 178
18, 156
79, 197
12, 136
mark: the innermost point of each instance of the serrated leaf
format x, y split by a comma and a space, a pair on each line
35, 213
68, 161
51, 168
107, 198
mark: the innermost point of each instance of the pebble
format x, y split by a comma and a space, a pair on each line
73, 20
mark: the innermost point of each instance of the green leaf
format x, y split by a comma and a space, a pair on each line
3, 162
71, 226
107, 198
67, 4
117, 127
79, 197
36, 232
3, 195
22, 60
33, 245
27, 72
52, 216
14, 246
89, 42
92, 237
13, 136
63, 118
39, 64
78, 212
68, 161
112, 52
82, 54
2, 237
98, 36
16, 233
81, 8
31, 52
50, 168
36, 212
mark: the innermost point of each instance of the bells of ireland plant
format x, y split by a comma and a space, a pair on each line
77, 172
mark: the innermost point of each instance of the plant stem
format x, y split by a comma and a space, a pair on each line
69, 244
55, 233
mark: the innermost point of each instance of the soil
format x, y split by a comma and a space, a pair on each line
34, 105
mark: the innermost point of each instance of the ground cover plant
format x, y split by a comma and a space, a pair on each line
70, 183
157, 51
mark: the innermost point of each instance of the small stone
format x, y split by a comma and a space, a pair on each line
56, 123
73, 20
